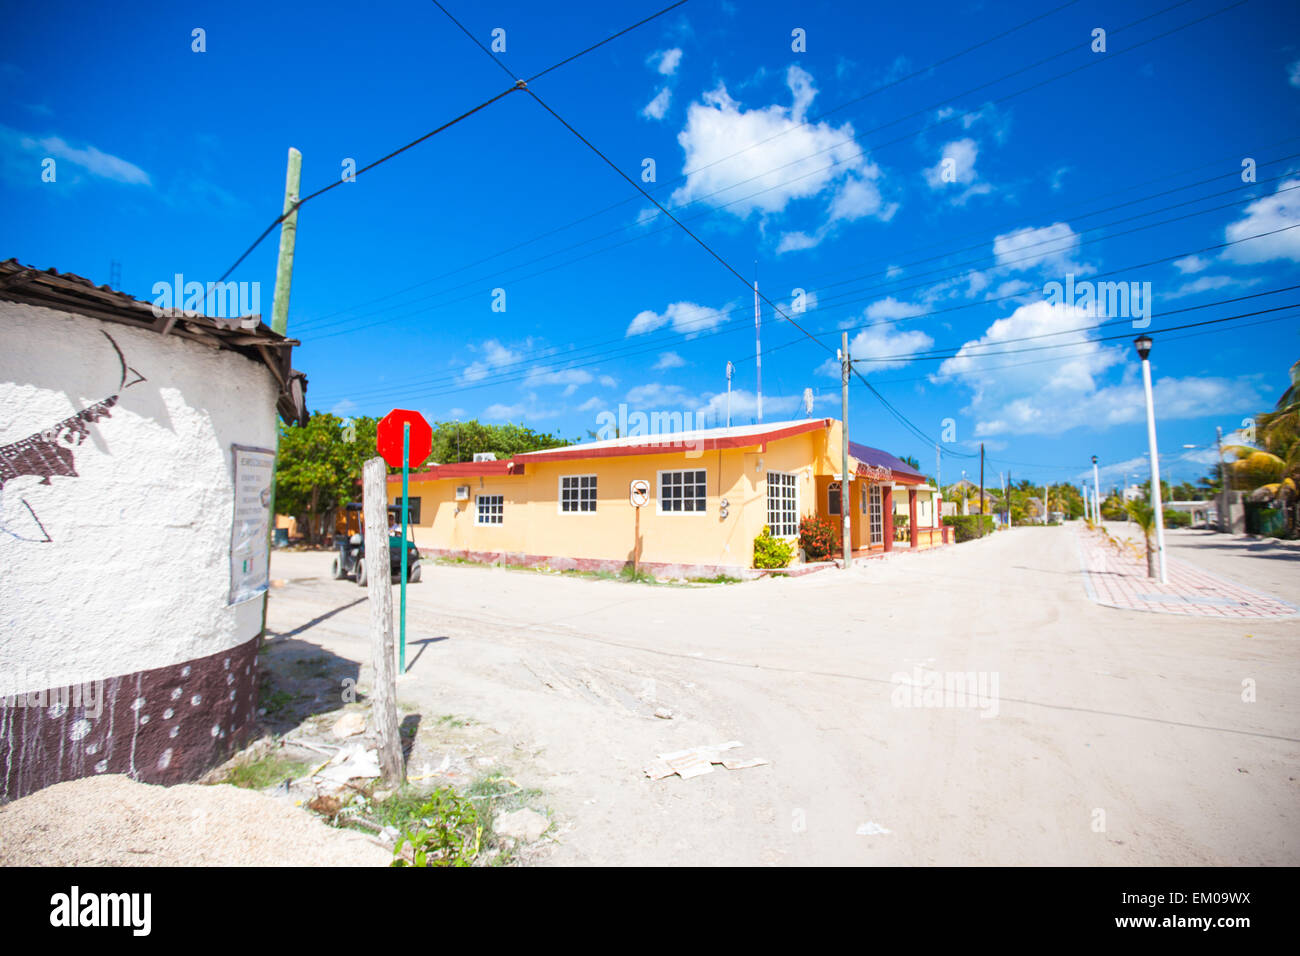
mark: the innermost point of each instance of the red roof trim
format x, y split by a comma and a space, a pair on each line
464, 469
578, 452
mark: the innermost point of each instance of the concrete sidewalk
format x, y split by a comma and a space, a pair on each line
1115, 575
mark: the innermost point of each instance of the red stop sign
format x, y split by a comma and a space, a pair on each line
390, 431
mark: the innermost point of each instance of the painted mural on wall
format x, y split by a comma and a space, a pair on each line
49, 453
119, 652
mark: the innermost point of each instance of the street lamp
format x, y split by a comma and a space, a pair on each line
1096, 491
1143, 345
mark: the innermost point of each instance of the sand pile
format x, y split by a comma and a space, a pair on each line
114, 821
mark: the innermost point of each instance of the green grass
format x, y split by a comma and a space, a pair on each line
451, 720
264, 772
716, 579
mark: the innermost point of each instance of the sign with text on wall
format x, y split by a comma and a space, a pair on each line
250, 558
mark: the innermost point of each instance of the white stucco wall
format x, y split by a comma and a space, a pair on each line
137, 574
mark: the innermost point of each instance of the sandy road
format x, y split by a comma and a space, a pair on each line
1103, 718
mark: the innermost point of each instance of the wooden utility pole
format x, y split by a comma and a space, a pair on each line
846, 528
981, 489
379, 571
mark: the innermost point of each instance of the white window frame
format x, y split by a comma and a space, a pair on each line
659, 489
794, 482
559, 494
479, 514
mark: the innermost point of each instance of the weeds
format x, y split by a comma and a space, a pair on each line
264, 772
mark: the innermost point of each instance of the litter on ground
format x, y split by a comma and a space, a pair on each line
699, 760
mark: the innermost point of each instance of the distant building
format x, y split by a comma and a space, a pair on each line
710, 492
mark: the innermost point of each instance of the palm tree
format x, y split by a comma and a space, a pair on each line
1145, 516
1274, 468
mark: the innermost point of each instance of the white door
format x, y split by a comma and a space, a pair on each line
877, 521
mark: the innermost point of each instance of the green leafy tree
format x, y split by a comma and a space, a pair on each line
319, 469
461, 441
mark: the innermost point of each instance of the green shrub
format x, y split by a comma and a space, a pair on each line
445, 831
770, 552
1178, 519
966, 527
819, 537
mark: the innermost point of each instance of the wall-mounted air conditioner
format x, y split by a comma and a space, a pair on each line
462, 492
485, 456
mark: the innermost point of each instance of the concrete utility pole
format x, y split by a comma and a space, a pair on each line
280, 305
730, 368
981, 489
846, 364
1096, 491
288, 238
379, 571
1047, 506
1143, 344
758, 351
1224, 523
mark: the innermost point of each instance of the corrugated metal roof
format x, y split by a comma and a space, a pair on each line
248, 335
700, 439
882, 459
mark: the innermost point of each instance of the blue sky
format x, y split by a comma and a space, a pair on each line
820, 169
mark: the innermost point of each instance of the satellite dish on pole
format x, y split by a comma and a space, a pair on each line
808, 402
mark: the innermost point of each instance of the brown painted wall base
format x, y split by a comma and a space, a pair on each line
165, 725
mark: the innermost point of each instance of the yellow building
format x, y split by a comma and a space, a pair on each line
710, 492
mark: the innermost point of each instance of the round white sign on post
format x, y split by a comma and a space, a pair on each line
640, 492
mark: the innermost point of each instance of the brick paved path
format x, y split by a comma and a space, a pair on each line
1118, 578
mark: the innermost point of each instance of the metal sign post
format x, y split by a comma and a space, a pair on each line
639, 493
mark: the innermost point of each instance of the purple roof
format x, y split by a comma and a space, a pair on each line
881, 459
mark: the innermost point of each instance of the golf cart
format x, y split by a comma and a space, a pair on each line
350, 561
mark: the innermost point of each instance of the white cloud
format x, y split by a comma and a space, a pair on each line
1191, 264
608, 381
494, 355
343, 408
891, 308
658, 107
685, 317
668, 61
784, 159
958, 157
658, 395
1293, 73
570, 378
90, 159
1051, 247
796, 241
1052, 397
877, 344
1203, 284
1279, 211
591, 404
668, 360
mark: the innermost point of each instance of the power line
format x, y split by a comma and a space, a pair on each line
346, 322
754, 145
433, 132
940, 122
960, 349
415, 142
434, 387
704, 245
